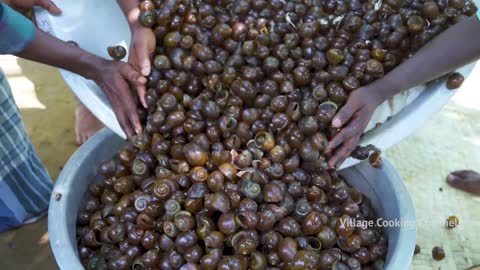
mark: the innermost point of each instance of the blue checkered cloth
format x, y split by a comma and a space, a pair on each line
25, 185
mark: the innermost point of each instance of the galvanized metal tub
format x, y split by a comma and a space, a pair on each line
383, 187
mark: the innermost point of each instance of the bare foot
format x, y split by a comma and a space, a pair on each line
466, 180
86, 124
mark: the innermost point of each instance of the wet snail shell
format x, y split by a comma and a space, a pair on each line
215, 239
266, 221
334, 56
240, 102
146, 5
145, 222
124, 185
288, 227
163, 189
227, 224
172, 207
245, 242
287, 249
198, 174
375, 160
312, 224
302, 209
454, 80
147, 18
217, 202
250, 189
438, 253
247, 219
257, 261
117, 52
272, 193
184, 221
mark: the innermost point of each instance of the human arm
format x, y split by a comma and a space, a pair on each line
24, 5
451, 49
21, 38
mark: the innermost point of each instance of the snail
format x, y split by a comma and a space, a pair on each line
117, 52
241, 97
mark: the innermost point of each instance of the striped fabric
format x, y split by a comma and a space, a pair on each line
25, 185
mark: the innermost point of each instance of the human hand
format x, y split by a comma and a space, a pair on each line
24, 5
352, 118
114, 77
142, 47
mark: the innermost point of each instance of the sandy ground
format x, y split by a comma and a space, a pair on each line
450, 141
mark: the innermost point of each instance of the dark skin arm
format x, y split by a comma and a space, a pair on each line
25, 5
113, 77
435, 59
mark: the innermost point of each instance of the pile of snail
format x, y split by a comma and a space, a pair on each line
230, 170
226, 210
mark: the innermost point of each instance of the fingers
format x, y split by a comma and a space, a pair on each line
142, 92
127, 116
343, 152
131, 109
137, 80
143, 58
132, 58
124, 124
345, 113
135, 120
353, 128
49, 5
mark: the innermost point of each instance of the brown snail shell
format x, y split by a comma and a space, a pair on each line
272, 193
287, 249
117, 52
455, 80
217, 202
312, 224
195, 154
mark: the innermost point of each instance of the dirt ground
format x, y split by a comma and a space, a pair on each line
450, 141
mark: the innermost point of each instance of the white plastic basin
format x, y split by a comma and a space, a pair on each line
95, 25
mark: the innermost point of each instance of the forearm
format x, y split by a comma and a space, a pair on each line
453, 48
54, 52
131, 11
7, 2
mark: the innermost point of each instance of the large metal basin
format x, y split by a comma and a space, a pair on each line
383, 187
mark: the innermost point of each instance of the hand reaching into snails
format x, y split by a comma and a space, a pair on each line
352, 118
427, 64
114, 77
